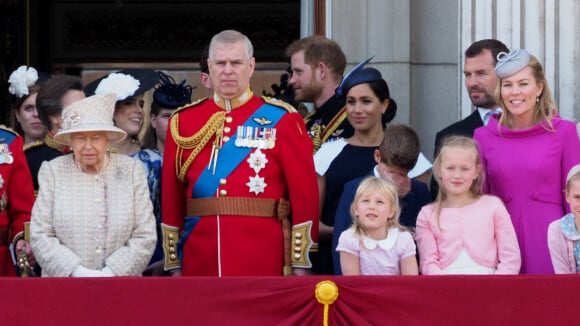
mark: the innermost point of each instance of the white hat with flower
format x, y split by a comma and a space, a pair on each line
94, 113
20, 79
125, 83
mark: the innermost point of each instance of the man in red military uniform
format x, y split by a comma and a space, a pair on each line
239, 188
16, 200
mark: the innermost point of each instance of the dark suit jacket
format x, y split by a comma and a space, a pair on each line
465, 127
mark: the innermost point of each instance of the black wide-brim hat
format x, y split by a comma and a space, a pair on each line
147, 78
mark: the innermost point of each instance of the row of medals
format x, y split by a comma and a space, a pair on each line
256, 137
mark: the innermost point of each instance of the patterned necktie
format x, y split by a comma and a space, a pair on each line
488, 115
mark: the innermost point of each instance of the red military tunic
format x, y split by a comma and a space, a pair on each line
228, 245
16, 196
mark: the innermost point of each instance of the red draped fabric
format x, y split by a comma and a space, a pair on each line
400, 300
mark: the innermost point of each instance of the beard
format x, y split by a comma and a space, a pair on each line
308, 93
486, 101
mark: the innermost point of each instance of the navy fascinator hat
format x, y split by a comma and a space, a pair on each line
171, 95
358, 75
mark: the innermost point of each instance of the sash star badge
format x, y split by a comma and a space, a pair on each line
257, 160
5, 154
256, 184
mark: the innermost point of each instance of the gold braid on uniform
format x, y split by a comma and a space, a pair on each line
33, 145
316, 140
196, 142
50, 142
316, 129
333, 125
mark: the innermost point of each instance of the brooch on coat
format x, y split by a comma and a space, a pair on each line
5, 154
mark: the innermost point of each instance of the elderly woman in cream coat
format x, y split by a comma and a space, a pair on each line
93, 216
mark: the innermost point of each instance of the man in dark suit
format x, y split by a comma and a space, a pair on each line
480, 82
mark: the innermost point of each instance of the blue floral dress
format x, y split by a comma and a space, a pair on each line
570, 232
152, 160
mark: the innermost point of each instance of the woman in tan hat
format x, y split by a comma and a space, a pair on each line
130, 86
92, 216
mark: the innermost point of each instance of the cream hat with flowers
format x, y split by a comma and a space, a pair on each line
94, 113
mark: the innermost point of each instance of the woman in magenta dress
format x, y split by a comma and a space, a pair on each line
527, 153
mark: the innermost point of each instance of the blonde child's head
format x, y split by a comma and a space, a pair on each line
573, 190
461, 142
375, 185
573, 175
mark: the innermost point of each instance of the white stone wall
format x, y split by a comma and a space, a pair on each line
418, 46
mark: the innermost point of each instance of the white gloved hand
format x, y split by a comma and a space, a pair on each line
107, 272
81, 271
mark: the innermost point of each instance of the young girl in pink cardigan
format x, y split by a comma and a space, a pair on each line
465, 232
563, 234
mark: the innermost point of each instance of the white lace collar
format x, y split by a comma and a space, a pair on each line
386, 243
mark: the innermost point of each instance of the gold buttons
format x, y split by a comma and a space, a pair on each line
227, 129
225, 138
170, 236
223, 192
172, 256
229, 119
223, 181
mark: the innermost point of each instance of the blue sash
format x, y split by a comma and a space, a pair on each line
230, 157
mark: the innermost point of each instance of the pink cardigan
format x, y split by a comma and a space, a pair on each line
483, 229
561, 249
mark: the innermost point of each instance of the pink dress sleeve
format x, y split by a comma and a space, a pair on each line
570, 155
558, 246
349, 242
508, 250
428, 251
479, 139
406, 244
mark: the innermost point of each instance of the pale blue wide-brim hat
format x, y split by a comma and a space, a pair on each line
94, 113
509, 64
